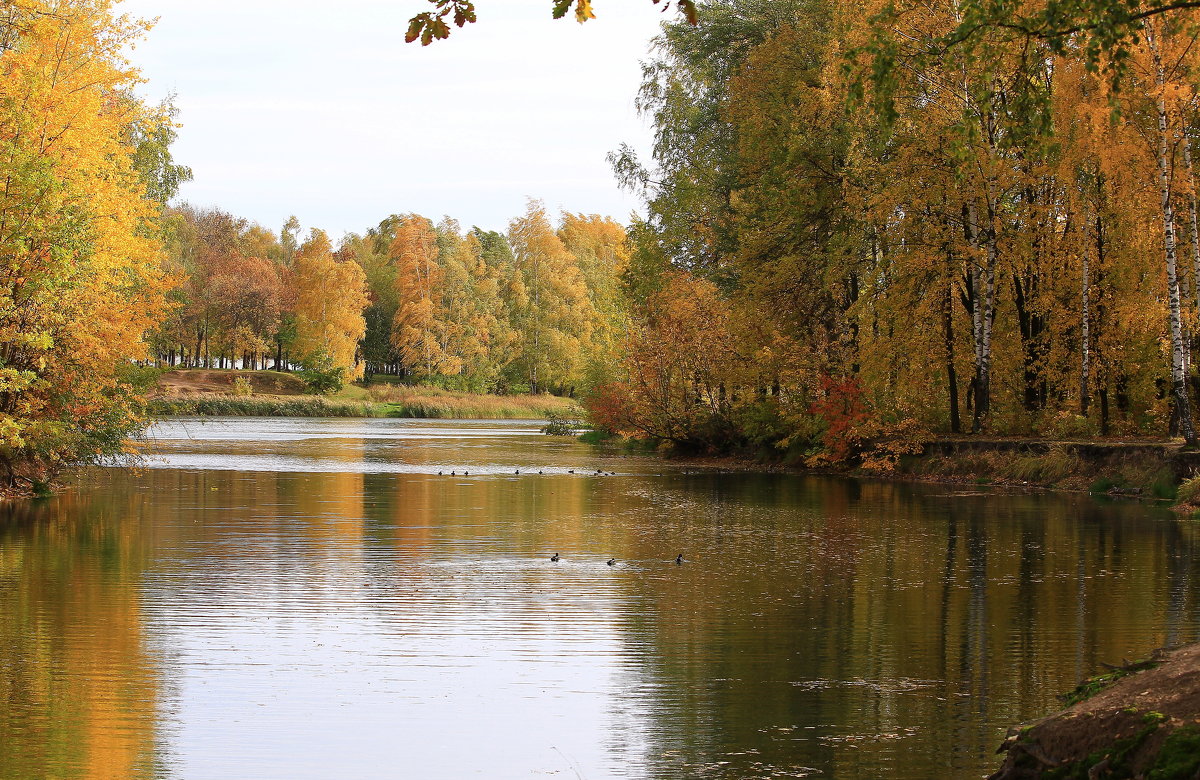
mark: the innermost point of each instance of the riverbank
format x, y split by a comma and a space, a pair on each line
229, 393
1138, 720
1148, 469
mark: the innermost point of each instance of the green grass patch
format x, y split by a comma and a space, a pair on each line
1179, 757
1093, 685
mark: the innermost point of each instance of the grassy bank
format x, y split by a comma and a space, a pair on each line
1148, 470
1157, 470
261, 406
1138, 720
209, 393
432, 402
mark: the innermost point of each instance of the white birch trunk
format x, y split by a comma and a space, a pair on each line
1163, 155
1187, 161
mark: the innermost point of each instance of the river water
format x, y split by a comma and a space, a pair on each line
311, 599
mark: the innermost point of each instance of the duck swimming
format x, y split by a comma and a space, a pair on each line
612, 561
679, 558
554, 557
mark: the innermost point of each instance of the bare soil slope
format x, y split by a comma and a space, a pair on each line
204, 382
1142, 725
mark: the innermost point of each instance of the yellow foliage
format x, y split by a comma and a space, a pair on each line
80, 282
330, 298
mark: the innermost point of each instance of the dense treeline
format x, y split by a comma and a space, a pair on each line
1003, 243
533, 310
858, 233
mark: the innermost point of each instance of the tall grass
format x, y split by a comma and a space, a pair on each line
257, 406
433, 402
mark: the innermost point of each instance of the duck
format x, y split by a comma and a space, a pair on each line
439, 473
612, 561
554, 557
679, 558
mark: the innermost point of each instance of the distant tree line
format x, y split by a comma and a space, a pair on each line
536, 309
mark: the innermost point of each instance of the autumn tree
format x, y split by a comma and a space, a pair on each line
81, 282
330, 299
554, 315
420, 329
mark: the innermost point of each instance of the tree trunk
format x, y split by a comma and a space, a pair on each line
1084, 332
1179, 392
983, 279
951, 375
1195, 219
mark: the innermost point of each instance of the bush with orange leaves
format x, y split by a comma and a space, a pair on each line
679, 370
853, 435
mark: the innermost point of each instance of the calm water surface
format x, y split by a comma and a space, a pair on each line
310, 599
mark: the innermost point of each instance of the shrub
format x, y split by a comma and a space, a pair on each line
1188, 492
324, 381
242, 387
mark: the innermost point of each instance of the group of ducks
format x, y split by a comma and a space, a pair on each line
613, 561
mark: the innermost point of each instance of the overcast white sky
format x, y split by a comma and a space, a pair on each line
320, 109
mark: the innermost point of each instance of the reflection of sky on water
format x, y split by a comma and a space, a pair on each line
422, 684
378, 446
251, 429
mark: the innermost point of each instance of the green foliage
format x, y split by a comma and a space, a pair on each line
242, 387
1094, 685
597, 436
1179, 756
151, 138
763, 424
321, 376
141, 379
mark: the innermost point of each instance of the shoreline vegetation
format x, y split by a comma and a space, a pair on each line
1153, 470
233, 393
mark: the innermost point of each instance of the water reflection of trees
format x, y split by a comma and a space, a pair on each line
78, 687
868, 628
